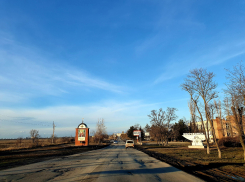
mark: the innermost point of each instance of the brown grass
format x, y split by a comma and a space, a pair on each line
195, 161
13, 144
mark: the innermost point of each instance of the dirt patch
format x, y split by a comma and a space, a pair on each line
195, 161
14, 158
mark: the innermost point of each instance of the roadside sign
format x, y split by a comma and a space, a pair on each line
137, 133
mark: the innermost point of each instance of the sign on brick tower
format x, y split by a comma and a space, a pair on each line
82, 135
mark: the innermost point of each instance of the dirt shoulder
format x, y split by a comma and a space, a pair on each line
195, 161
14, 158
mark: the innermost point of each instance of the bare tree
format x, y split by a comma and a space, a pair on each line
192, 109
158, 121
161, 123
34, 135
19, 141
227, 105
100, 133
218, 109
199, 83
170, 116
147, 128
236, 91
205, 128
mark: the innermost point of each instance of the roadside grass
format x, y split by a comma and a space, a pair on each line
200, 156
231, 167
13, 144
170, 144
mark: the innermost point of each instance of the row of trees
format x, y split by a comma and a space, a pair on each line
131, 130
203, 106
201, 87
161, 123
170, 132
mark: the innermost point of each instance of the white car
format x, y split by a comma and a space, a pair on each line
129, 143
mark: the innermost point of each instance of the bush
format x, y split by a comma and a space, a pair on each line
66, 140
230, 142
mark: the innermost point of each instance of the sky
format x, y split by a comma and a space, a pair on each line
63, 61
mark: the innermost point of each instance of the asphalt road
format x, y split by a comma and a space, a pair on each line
113, 163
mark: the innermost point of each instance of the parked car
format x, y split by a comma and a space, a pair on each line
129, 143
115, 141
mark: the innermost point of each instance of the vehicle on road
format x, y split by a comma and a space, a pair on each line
129, 143
115, 141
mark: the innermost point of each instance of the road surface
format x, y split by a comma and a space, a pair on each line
113, 163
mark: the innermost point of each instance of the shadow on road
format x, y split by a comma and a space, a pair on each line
139, 171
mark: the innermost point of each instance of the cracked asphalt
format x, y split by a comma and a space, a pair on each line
113, 163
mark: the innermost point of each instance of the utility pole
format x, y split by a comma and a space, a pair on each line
53, 133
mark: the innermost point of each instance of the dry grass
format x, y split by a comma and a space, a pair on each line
209, 167
13, 144
229, 155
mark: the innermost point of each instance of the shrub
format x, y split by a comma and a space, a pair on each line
65, 140
230, 142
19, 141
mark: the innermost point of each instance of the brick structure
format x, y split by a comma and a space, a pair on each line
226, 128
82, 135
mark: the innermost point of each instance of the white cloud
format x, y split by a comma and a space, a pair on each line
118, 115
25, 72
213, 55
10, 97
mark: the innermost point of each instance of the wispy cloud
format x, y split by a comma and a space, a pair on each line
11, 97
24, 70
210, 56
92, 82
116, 114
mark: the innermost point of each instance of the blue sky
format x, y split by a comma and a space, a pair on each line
63, 61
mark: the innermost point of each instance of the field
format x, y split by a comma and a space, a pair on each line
195, 161
9, 144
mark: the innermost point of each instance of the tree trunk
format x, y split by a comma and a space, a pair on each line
213, 132
208, 148
205, 133
238, 120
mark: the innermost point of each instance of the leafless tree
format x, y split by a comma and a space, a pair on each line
157, 133
158, 121
199, 83
236, 91
34, 135
192, 109
19, 141
218, 109
100, 133
227, 109
170, 116
161, 123
200, 117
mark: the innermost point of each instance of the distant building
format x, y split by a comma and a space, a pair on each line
222, 127
226, 128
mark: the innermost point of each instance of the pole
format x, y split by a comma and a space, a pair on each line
53, 133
